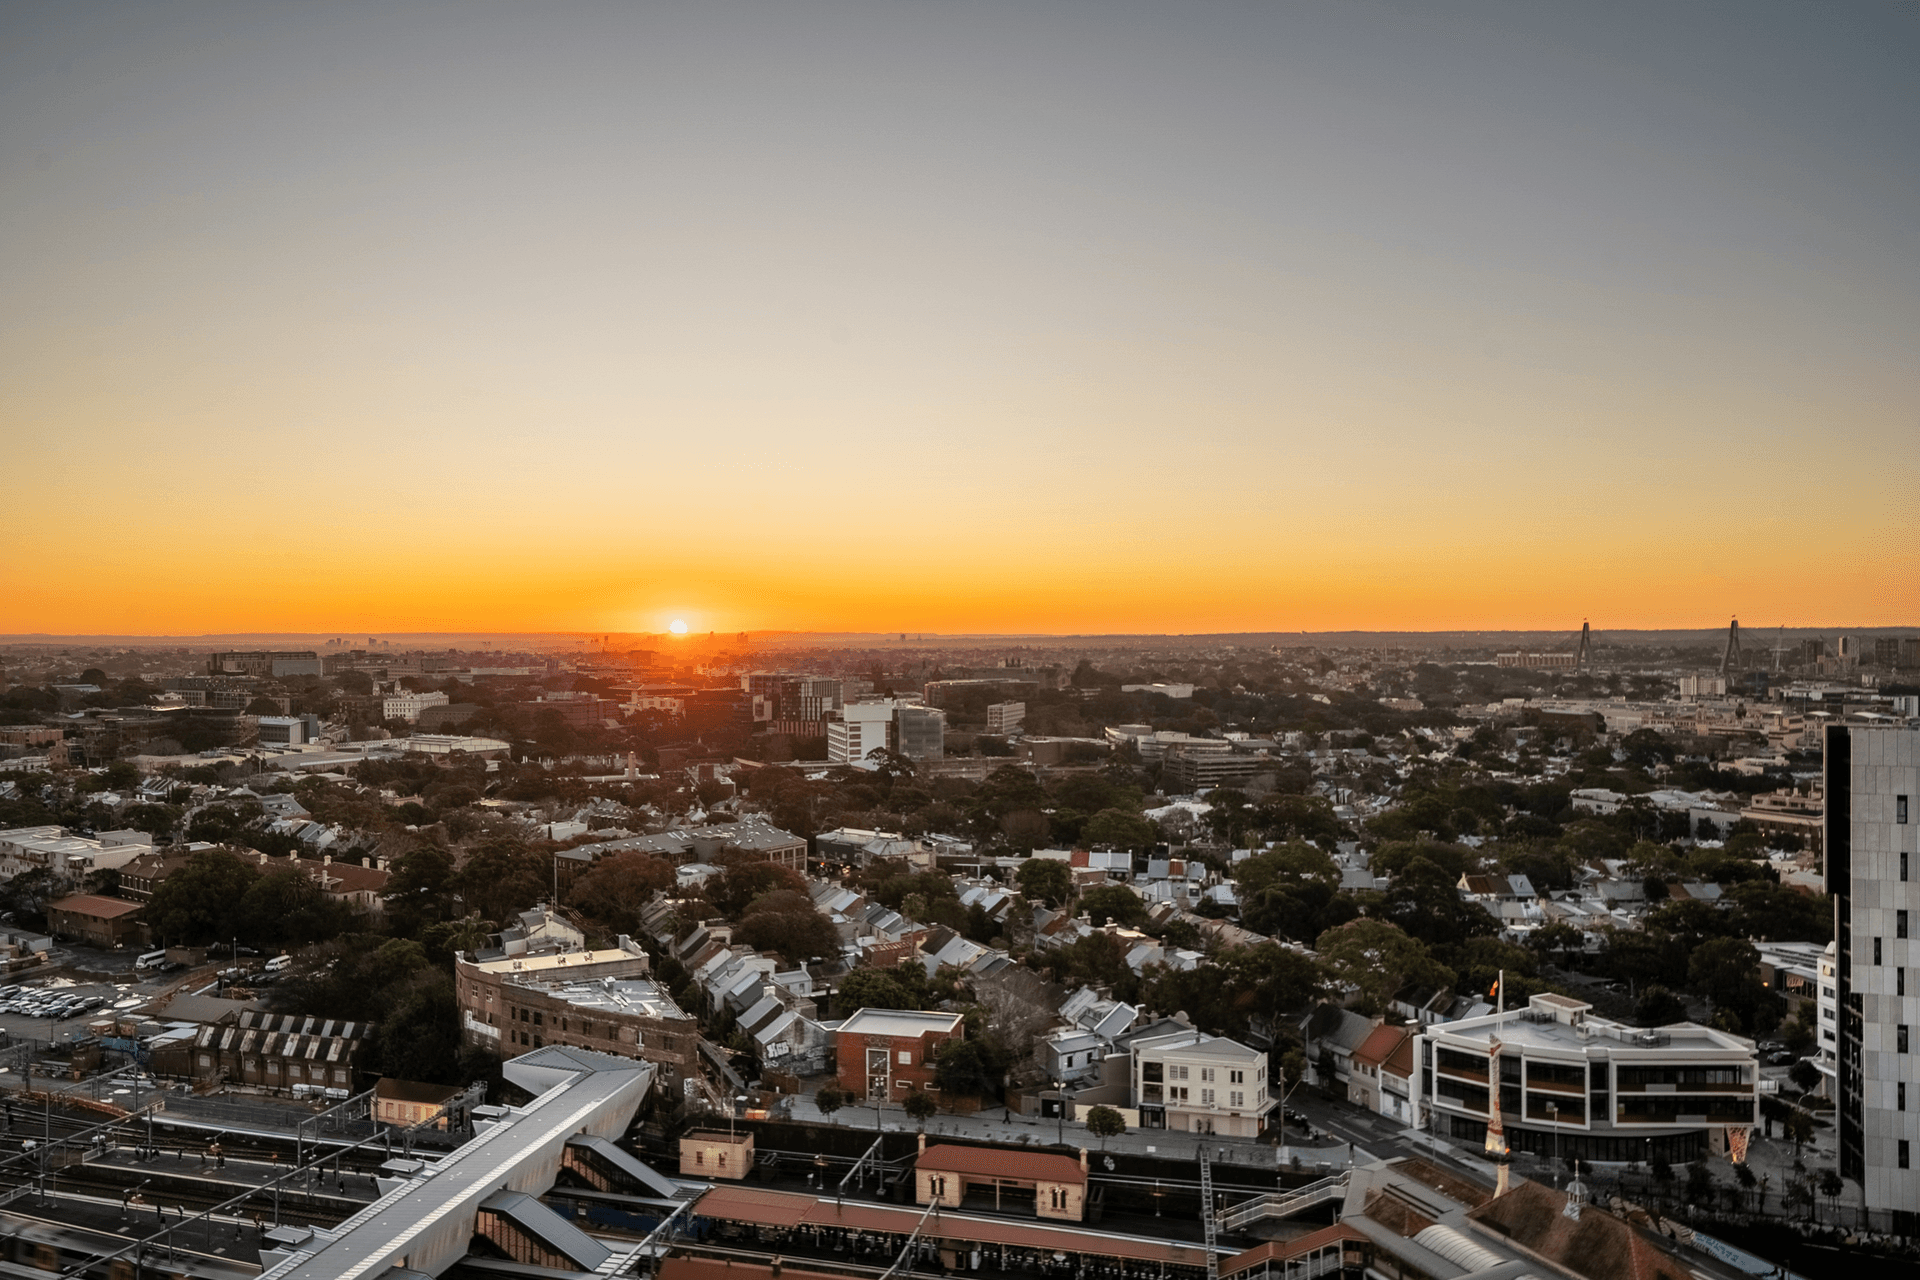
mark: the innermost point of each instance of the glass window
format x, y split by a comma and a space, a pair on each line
1900, 1096
1900, 809
1899, 924
1900, 1038
1903, 1153
1903, 866
1900, 981
1876, 951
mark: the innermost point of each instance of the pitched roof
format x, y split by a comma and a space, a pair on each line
1400, 1061
1598, 1246
1037, 1166
89, 904
1380, 1045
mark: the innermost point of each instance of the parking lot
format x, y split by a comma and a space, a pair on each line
78, 986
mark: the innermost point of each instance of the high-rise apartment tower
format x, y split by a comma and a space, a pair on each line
1873, 872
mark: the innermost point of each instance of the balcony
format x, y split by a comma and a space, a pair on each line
1464, 1073
1573, 1115
1572, 1089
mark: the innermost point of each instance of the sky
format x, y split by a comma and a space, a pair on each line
959, 317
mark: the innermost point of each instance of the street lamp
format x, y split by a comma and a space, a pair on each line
1553, 1123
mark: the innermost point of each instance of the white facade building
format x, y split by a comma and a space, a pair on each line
1190, 1082
25, 849
1587, 1087
859, 729
408, 706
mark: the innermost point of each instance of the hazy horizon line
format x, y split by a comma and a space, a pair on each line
912, 636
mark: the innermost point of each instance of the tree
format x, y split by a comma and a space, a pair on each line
1293, 863
1659, 1007
420, 890
967, 1066
920, 1105
286, 907
1378, 958
866, 988
199, 903
1554, 939
1831, 1186
1727, 971
788, 923
1114, 902
1799, 1128
503, 876
1049, 880
1104, 1123
1026, 829
745, 877
1121, 829
1805, 1075
617, 889
830, 1099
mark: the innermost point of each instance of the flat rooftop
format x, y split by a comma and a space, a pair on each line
552, 962
620, 995
1515, 1029
903, 1023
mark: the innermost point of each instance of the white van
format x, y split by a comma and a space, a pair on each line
278, 963
151, 960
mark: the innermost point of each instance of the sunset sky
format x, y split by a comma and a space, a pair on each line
958, 317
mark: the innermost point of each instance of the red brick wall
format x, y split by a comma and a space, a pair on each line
852, 1066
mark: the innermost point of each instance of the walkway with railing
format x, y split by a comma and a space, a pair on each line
1281, 1204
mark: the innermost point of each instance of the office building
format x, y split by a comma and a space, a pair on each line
859, 729
1006, 717
1872, 777
1587, 1087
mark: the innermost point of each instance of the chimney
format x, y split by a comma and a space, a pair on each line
1083, 1159
923, 1142
326, 859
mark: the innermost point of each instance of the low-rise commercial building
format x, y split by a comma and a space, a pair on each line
1591, 1088
1190, 1082
885, 1054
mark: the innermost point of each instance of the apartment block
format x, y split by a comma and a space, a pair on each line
1872, 778
1190, 1082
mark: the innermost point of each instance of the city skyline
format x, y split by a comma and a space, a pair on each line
980, 319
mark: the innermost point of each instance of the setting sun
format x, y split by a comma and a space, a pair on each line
679, 627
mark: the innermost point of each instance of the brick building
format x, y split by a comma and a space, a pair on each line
269, 1051
96, 921
887, 1053
599, 1000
